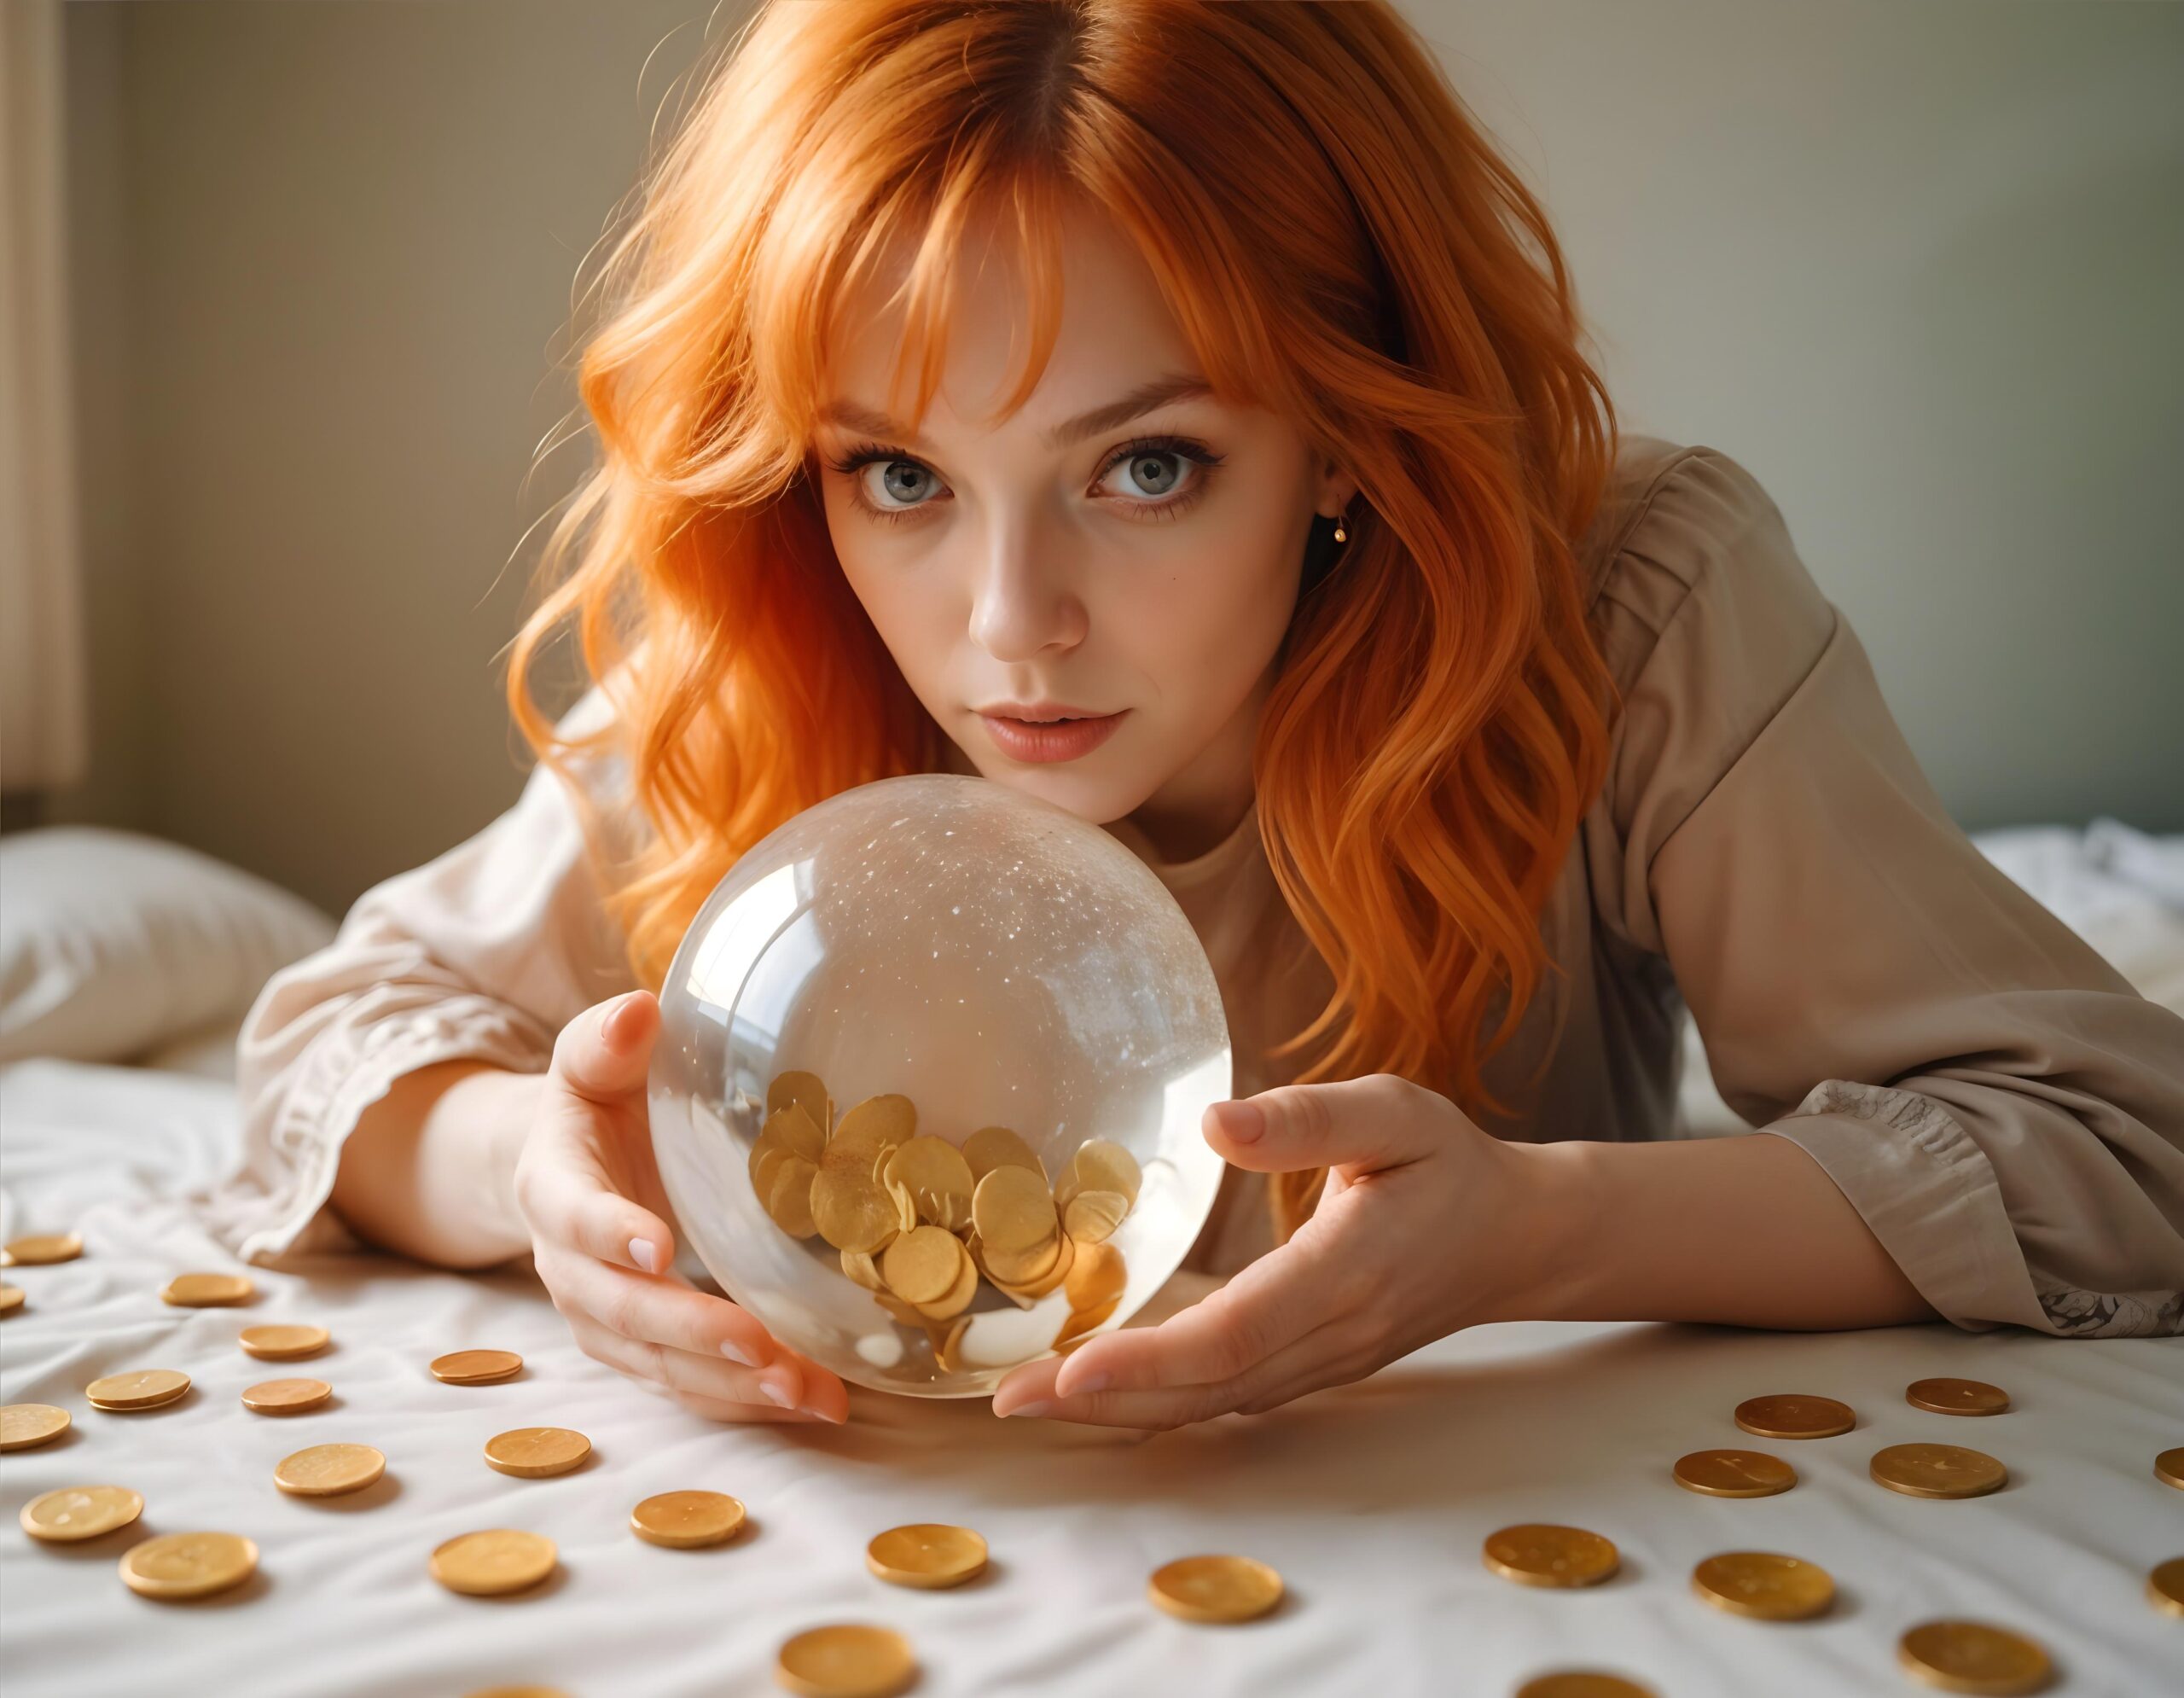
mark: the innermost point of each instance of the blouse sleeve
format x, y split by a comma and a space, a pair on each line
483, 954
2000, 1106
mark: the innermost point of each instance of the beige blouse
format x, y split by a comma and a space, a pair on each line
2003, 1110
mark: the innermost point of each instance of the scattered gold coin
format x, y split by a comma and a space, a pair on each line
493, 1562
1099, 1165
922, 1265
2169, 1468
1579, 1683
1014, 1212
206, 1290
845, 1659
2165, 1587
286, 1397
1091, 1216
177, 1566
928, 1555
329, 1470
1221, 1589
41, 1248
1542, 1554
808, 1093
1969, 1656
1735, 1473
25, 1425
75, 1513
148, 1388
1938, 1471
1764, 1586
992, 1147
282, 1343
1956, 1397
851, 1211
477, 1367
535, 1452
683, 1521
938, 1179
1794, 1416
11, 1299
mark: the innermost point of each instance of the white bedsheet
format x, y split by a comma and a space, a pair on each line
1371, 1500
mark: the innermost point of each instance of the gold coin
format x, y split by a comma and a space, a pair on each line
847, 1659
1795, 1416
281, 1344
286, 1397
206, 1290
1938, 1471
148, 1388
1956, 1397
1081, 1323
1580, 1683
921, 1266
1214, 1588
1099, 1165
1093, 1215
25, 1425
177, 1565
1735, 1473
43, 1247
79, 1512
808, 1091
927, 1555
494, 1562
939, 1180
992, 1147
1014, 1212
11, 1299
535, 1452
850, 1211
957, 1298
792, 1127
2169, 1468
1097, 1276
788, 1195
329, 1470
867, 1129
1539, 1554
477, 1367
683, 1521
1764, 1586
2165, 1587
1969, 1656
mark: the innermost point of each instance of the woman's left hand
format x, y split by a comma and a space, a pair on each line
1427, 1224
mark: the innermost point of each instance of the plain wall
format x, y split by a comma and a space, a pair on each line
1917, 266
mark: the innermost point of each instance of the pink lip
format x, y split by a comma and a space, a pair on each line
1068, 741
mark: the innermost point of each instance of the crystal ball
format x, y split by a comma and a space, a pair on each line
928, 1088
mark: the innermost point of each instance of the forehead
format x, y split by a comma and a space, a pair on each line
1116, 335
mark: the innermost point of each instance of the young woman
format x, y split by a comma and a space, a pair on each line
1255, 500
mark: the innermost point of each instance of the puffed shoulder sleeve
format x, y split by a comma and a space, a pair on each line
2002, 1109
483, 954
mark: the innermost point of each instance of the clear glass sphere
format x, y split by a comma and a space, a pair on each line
1010, 1033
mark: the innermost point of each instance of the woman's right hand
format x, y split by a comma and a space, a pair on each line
588, 1187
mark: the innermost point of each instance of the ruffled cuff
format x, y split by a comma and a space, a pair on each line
275, 1203
1929, 1192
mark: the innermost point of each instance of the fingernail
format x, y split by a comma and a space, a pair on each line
735, 1352
1029, 1409
824, 1414
776, 1394
645, 1254
1242, 1121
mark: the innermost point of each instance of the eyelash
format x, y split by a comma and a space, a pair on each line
857, 458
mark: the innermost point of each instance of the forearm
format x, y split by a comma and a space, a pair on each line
1741, 1230
428, 1171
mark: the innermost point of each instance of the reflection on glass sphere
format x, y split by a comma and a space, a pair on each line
927, 1093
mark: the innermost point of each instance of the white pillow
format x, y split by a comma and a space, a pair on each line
112, 943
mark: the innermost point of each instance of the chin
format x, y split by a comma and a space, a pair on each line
1096, 797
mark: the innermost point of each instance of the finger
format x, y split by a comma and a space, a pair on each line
605, 1053
1328, 1355
566, 1200
1268, 1305
660, 1310
1379, 1121
779, 1386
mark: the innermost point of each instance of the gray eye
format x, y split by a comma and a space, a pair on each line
1155, 474
905, 481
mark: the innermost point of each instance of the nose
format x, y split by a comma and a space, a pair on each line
1025, 603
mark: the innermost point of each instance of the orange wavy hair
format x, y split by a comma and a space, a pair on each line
1337, 238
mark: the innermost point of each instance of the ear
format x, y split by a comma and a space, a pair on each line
1337, 486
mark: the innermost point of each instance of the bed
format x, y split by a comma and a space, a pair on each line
1373, 1501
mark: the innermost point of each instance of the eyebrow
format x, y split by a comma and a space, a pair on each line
1179, 385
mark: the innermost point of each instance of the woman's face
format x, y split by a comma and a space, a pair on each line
1130, 573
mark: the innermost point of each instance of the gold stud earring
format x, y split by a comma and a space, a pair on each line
1340, 535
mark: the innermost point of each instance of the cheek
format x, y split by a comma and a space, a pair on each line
1211, 627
